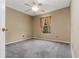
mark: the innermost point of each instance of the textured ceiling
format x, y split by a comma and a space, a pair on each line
48, 5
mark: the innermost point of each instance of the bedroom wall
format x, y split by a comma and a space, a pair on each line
75, 28
60, 26
18, 24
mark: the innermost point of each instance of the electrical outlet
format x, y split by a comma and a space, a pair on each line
22, 35
57, 36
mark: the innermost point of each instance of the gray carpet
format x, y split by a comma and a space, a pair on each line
38, 49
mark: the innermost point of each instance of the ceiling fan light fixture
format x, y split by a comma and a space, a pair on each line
35, 8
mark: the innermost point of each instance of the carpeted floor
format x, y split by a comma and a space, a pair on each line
38, 49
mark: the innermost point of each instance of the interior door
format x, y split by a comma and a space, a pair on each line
2, 27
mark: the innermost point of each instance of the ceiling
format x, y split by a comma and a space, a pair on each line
48, 5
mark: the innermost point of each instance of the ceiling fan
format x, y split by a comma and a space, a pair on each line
35, 6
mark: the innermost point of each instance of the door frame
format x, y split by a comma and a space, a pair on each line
2, 25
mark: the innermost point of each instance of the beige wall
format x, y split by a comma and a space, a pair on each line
18, 24
75, 28
60, 26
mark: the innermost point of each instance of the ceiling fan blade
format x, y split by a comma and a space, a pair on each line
42, 10
27, 10
27, 4
40, 4
34, 3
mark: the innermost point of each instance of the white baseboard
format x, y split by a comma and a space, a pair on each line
37, 38
53, 40
17, 41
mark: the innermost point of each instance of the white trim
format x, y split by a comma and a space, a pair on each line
52, 40
36, 38
72, 52
17, 41
2, 25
